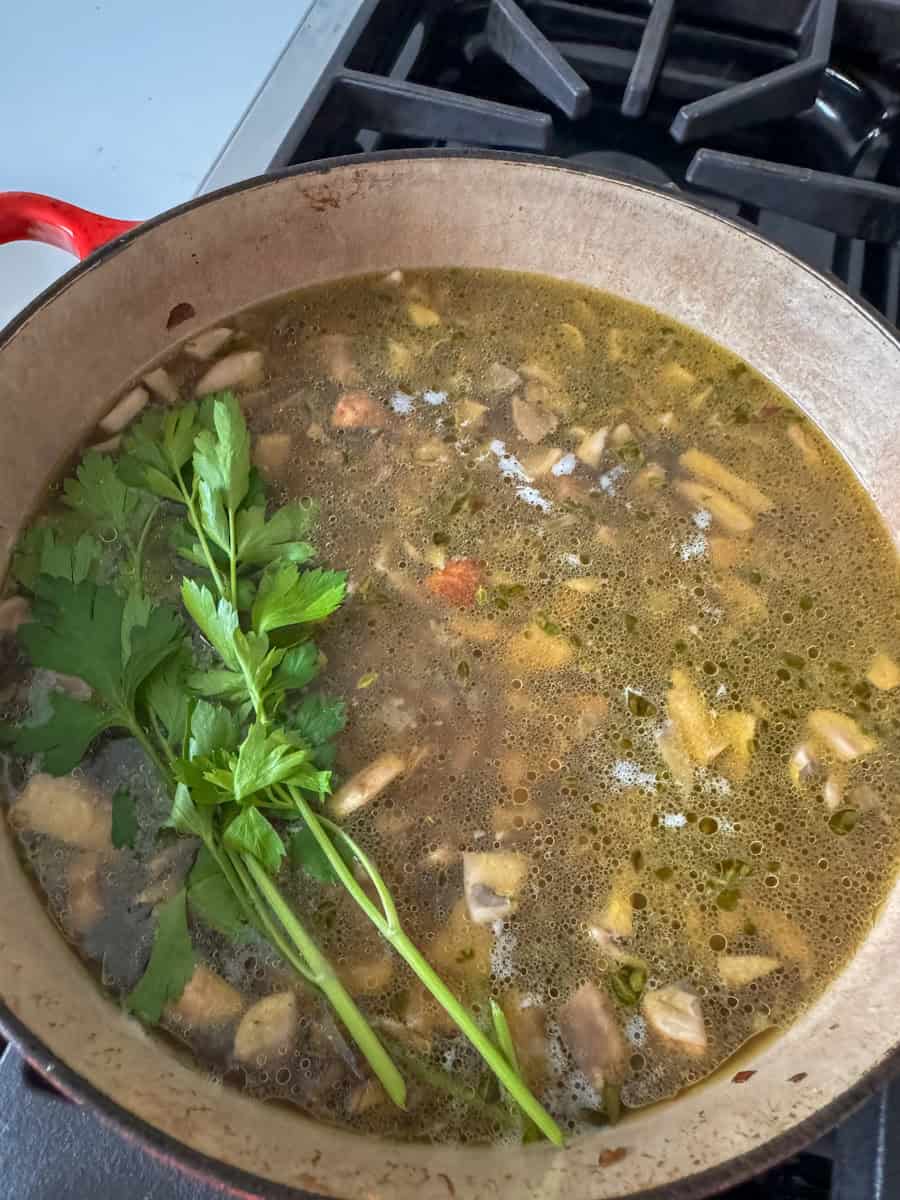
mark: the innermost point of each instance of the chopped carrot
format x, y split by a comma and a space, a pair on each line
457, 582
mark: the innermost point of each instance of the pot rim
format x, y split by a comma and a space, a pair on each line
707, 1182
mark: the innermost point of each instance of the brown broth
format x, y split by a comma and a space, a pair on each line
538, 705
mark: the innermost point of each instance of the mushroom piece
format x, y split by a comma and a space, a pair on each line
268, 1027
695, 724
244, 368
64, 808
501, 380
422, 316
207, 1000
357, 410
532, 419
362, 788
710, 470
162, 385
461, 947
739, 970
840, 733
125, 411
675, 1015
729, 515
368, 976
271, 452
491, 883
884, 673
207, 345
532, 649
589, 1029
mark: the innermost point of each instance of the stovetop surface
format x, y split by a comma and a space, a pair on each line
670, 96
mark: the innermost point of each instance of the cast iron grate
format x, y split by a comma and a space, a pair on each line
795, 142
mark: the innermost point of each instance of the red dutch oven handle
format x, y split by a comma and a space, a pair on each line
26, 216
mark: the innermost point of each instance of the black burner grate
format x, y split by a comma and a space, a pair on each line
798, 106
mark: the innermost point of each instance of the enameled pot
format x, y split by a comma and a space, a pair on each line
75, 350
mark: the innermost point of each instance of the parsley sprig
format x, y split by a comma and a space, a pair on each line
241, 751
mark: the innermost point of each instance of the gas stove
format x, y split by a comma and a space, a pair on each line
784, 115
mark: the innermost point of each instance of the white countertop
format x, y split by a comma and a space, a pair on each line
122, 108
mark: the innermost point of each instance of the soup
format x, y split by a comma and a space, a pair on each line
609, 696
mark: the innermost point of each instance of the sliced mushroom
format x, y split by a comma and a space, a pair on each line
840, 733
617, 916
533, 420
730, 516
272, 452
491, 882
267, 1028
677, 376
532, 649
708, 469
884, 673
367, 977
469, 415
590, 1031
64, 808
207, 1000
676, 1015
461, 947
501, 380
123, 413
422, 316
572, 337
695, 723
740, 730
362, 788
541, 462
674, 755
804, 444
244, 368
357, 410
207, 345
162, 385
739, 970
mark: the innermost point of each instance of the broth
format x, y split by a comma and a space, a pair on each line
625, 625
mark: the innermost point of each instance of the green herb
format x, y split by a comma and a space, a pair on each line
727, 878
124, 819
171, 963
234, 767
843, 821
307, 854
638, 705
627, 985
366, 681
212, 899
78, 629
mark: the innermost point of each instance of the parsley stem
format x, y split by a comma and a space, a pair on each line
232, 557
201, 536
441, 1081
137, 732
388, 925
138, 552
160, 736
255, 908
324, 977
